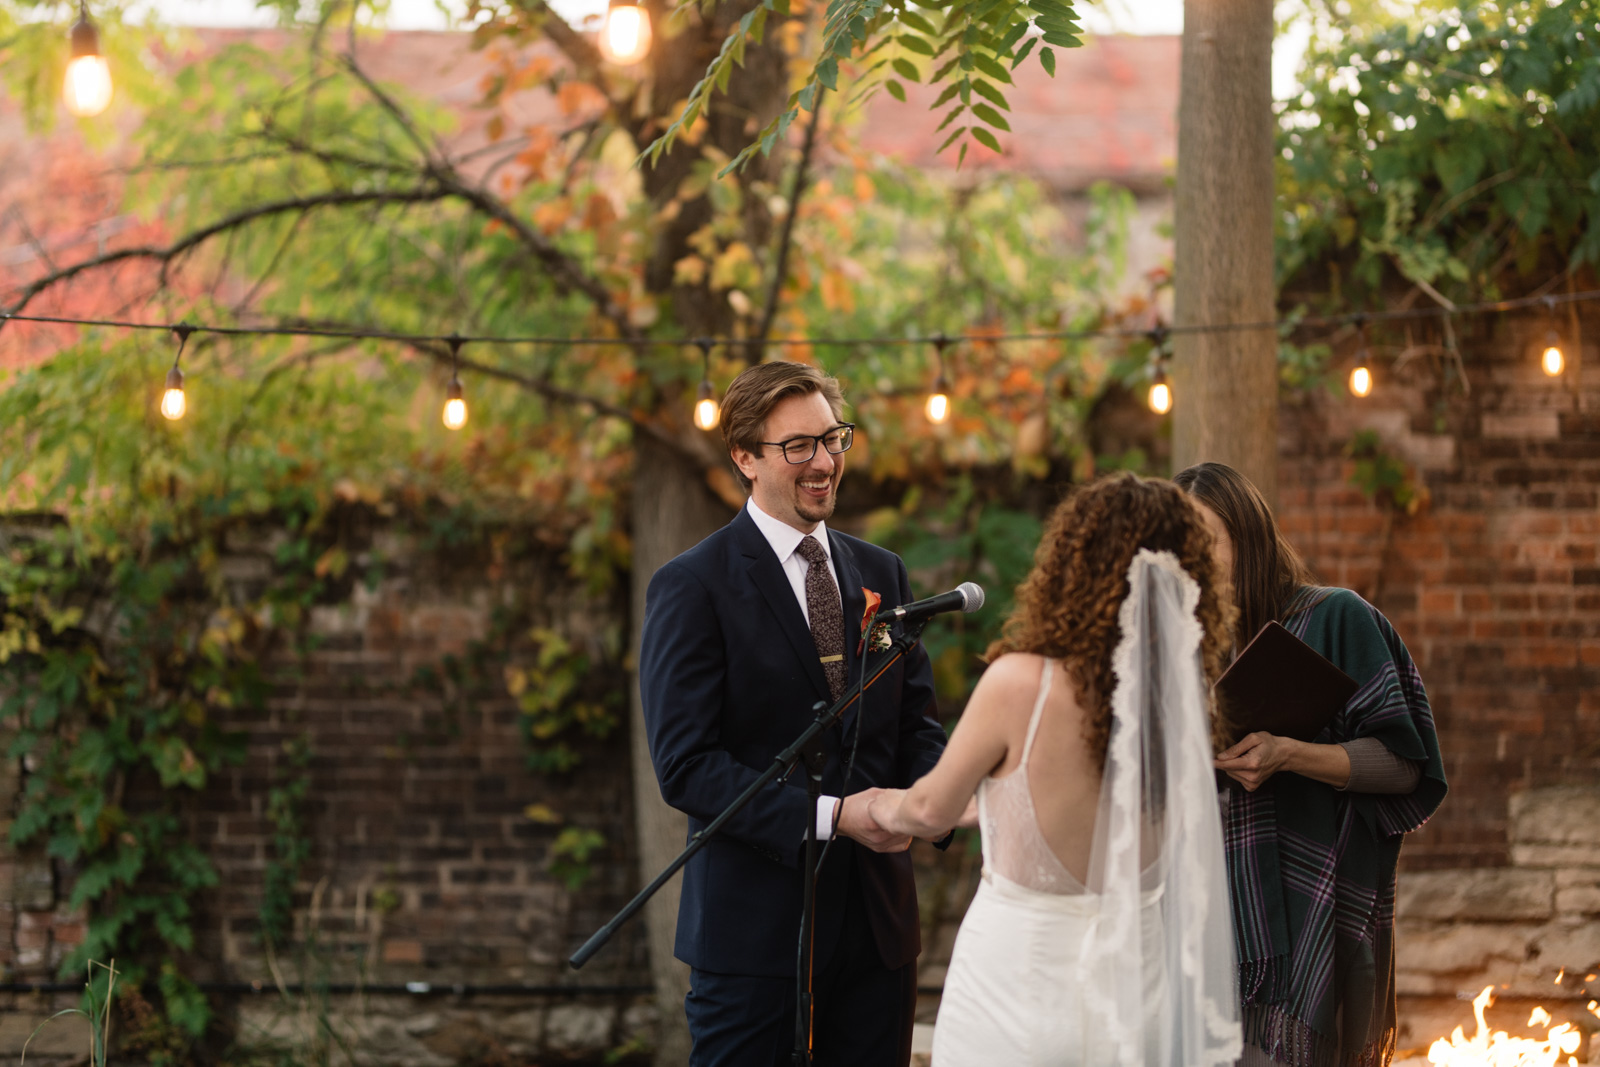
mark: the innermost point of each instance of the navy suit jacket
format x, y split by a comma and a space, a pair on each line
728, 674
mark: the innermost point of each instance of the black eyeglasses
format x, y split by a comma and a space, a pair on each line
801, 449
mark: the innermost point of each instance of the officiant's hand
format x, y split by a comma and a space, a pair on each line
1255, 758
856, 822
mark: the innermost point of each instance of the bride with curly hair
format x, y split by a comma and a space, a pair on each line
1100, 932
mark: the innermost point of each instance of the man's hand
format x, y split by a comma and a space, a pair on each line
1255, 758
856, 822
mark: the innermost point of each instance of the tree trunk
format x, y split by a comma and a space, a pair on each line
672, 510
1225, 384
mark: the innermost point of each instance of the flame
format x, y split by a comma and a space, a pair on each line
1498, 1049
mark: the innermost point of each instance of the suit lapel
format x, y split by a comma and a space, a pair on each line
854, 602
766, 574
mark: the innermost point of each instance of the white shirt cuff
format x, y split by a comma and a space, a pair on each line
825, 810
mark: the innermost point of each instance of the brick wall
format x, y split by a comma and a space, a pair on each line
425, 866
1495, 585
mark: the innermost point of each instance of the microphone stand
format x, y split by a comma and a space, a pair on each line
808, 747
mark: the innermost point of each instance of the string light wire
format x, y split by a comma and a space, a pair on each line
938, 341
1126, 332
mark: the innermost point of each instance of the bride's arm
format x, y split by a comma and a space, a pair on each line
940, 799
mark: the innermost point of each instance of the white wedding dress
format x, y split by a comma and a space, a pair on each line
1134, 968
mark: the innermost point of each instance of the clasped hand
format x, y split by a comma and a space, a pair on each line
872, 817
1255, 758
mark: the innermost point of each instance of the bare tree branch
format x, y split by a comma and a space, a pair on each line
563, 268
780, 267
195, 238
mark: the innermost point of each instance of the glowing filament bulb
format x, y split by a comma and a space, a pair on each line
1551, 360
938, 406
706, 410
455, 406
1361, 381
1160, 398
173, 402
88, 83
625, 38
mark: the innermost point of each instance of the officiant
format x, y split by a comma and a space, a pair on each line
1314, 833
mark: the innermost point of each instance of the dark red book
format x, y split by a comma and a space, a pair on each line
1281, 685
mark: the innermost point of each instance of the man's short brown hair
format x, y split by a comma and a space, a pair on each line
755, 392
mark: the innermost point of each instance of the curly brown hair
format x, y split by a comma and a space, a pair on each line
1067, 607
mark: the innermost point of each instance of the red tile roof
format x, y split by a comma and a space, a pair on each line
1111, 112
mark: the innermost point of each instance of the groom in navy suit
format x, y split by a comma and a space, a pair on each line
743, 634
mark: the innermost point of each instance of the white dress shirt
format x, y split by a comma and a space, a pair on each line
785, 539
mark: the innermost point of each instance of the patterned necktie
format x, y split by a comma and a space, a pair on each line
825, 612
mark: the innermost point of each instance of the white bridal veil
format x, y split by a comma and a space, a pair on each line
1157, 968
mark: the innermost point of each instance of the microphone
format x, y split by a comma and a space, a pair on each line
967, 597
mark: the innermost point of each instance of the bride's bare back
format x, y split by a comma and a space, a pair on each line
1037, 807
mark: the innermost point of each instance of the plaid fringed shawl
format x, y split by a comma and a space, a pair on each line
1312, 869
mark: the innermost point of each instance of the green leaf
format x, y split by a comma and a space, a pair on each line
1010, 39
939, 74
951, 117
990, 93
991, 116
906, 70
992, 68
957, 132
1026, 48
917, 22
944, 97
915, 44
1054, 9
895, 89
1062, 40
1047, 60
828, 72
985, 138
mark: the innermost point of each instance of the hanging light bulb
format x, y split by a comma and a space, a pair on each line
937, 407
1551, 360
88, 83
625, 37
1360, 380
455, 406
1160, 397
173, 401
455, 402
707, 412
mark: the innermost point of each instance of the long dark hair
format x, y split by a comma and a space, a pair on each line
1266, 569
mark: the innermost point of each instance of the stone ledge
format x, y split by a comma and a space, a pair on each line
1567, 815
1490, 894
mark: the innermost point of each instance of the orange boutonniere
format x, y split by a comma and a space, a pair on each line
871, 613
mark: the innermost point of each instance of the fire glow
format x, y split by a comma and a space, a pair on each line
1498, 1049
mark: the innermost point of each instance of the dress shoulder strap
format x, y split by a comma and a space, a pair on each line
1038, 710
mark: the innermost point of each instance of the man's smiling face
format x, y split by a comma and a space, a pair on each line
800, 494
